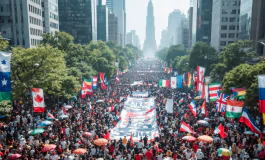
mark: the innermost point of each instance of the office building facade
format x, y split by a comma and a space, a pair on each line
201, 21
190, 19
79, 19
225, 23
102, 22
133, 39
50, 16
113, 28
252, 23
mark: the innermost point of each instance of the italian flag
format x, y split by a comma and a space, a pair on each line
234, 109
213, 89
164, 83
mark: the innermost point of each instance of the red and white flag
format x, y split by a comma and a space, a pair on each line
204, 109
103, 86
185, 128
131, 139
111, 108
220, 130
83, 92
64, 110
38, 100
117, 79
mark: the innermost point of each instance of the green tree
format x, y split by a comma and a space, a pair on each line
181, 64
5, 108
174, 51
218, 72
40, 67
3, 44
162, 54
60, 40
202, 54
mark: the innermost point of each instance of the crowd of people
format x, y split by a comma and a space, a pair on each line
87, 115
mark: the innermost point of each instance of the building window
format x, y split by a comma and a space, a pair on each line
224, 11
223, 27
2, 8
54, 25
224, 19
229, 42
233, 11
232, 27
223, 43
234, 3
232, 19
231, 35
223, 35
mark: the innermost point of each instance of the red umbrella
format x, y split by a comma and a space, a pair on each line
48, 148
14, 156
189, 138
87, 134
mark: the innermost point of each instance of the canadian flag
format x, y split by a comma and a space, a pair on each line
185, 128
38, 100
117, 79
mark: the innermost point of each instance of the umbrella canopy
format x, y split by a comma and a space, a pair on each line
80, 151
205, 138
224, 152
203, 122
14, 156
189, 138
228, 125
68, 107
101, 142
48, 148
206, 119
63, 116
37, 131
197, 98
87, 134
99, 101
248, 132
45, 123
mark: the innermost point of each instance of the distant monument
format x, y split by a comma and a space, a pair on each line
150, 40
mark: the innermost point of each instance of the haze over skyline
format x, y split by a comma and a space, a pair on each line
136, 11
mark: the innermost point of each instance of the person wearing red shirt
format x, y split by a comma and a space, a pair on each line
149, 155
111, 149
195, 147
138, 157
262, 154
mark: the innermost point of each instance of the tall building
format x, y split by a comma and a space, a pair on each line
118, 8
183, 33
225, 23
164, 39
252, 23
50, 17
23, 22
113, 28
174, 22
150, 41
79, 19
201, 21
109, 4
133, 39
102, 22
190, 14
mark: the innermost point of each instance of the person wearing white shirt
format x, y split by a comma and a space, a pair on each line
139, 145
93, 151
160, 156
54, 157
199, 154
36, 142
67, 131
187, 153
63, 143
47, 156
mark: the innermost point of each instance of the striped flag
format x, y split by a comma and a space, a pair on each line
213, 89
185, 128
234, 108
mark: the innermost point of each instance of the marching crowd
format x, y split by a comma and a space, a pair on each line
90, 115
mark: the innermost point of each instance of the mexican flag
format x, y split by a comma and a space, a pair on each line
164, 83
234, 109
213, 88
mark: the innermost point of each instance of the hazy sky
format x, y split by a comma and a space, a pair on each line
136, 15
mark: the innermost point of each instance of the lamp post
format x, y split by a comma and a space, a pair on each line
205, 62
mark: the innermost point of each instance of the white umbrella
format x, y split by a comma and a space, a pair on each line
45, 123
206, 119
248, 132
63, 116
228, 125
68, 107
203, 122
99, 101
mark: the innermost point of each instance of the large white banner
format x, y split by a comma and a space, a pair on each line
138, 118
139, 94
173, 82
169, 106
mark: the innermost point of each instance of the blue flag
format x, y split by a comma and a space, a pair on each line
179, 81
5, 81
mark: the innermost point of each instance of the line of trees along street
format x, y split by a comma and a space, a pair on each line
230, 66
62, 65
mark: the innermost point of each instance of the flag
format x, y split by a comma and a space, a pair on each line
204, 109
221, 102
163, 83
206, 91
49, 115
200, 79
64, 110
117, 79
192, 107
220, 130
189, 82
234, 108
83, 92
180, 81
101, 76
248, 121
239, 93
181, 100
5, 87
213, 89
185, 128
106, 81
111, 108
87, 85
173, 82
38, 100
151, 110
261, 81
95, 82
131, 139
